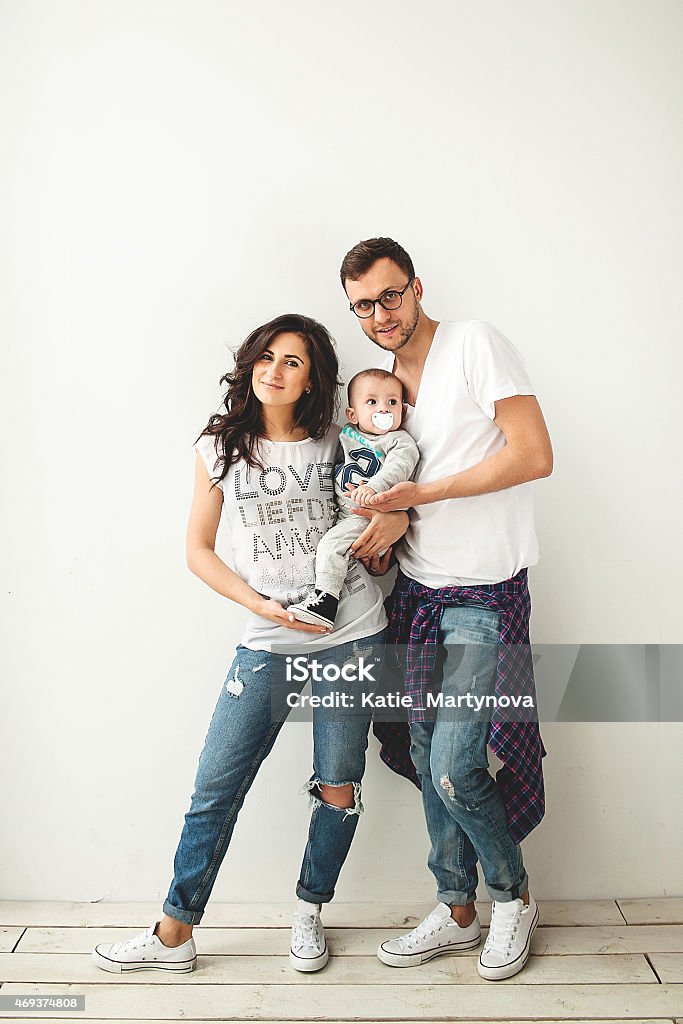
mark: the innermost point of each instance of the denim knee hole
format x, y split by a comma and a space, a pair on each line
448, 788
312, 787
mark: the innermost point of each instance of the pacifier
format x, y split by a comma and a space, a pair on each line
382, 420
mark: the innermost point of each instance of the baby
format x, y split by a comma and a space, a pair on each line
376, 455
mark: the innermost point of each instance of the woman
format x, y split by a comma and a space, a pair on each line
274, 448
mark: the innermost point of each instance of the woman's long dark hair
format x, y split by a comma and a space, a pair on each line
238, 429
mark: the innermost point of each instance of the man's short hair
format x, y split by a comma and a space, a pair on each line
373, 371
365, 254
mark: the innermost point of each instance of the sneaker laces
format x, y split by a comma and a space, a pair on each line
421, 931
128, 945
306, 932
311, 600
502, 931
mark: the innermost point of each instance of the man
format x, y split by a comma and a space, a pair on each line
462, 580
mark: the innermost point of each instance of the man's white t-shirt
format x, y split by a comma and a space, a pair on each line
488, 537
276, 518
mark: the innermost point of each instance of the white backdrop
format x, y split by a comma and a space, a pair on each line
175, 173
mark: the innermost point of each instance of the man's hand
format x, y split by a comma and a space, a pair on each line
384, 529
398, 497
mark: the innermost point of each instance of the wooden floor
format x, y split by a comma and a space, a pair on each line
617, 960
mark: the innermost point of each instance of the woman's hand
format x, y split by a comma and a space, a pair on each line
274, 612
384, 529
377, 566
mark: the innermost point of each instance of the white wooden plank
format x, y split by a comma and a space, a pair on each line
341, 1002
361, 941
579, 913
556, 1020
669, 967
225, 915
17, 913
624, 939
357, 970
213, 941
9, 938
665, 910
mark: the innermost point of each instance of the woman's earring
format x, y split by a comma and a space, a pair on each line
307, 390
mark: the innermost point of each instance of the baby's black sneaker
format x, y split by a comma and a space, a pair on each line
317, 607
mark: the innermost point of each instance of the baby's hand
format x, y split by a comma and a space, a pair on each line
362, 495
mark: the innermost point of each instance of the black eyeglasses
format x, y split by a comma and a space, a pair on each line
390, 299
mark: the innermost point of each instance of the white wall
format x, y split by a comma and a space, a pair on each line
175, 173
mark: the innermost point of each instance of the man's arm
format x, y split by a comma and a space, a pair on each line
527, 455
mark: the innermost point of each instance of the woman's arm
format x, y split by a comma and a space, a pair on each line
203, 561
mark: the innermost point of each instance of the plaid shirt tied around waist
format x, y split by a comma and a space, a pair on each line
414, 612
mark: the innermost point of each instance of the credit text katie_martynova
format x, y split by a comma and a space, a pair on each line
301, 669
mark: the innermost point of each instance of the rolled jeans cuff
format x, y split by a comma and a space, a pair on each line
186, 916
508, 895
312, 897
455, 899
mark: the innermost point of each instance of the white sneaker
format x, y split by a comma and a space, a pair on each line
507, 946
308, 950
437, 934
145, 951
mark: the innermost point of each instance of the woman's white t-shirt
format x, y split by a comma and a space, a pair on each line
485, 538
276, 517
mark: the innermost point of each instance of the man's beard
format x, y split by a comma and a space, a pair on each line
405, 334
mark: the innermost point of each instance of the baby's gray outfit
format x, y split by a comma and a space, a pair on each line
380, 460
